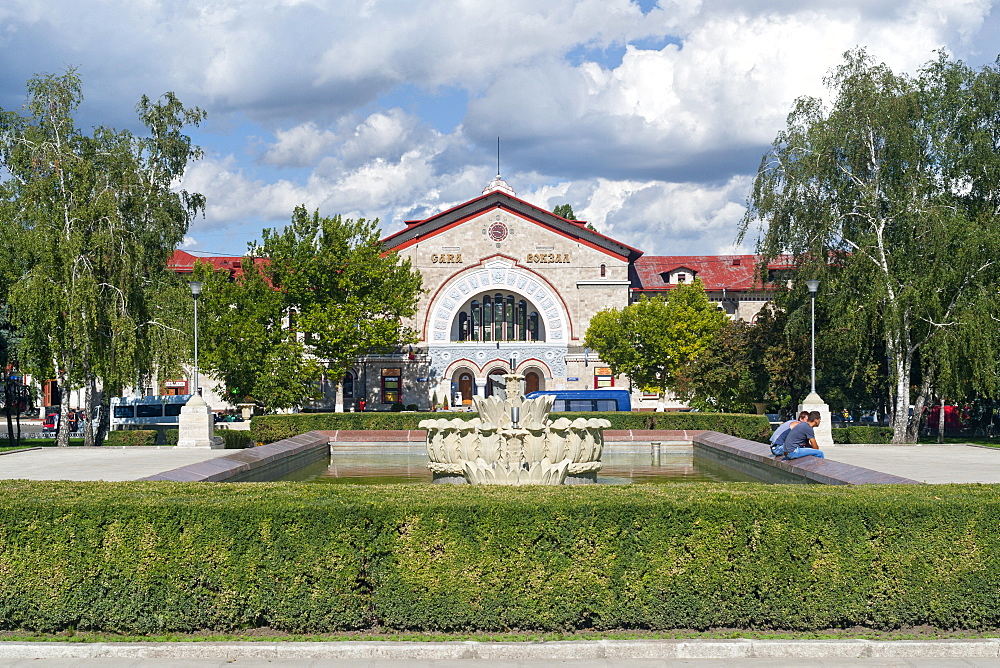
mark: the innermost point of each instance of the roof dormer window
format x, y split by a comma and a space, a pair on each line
682, 277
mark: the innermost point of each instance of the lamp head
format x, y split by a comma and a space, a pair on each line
195, 288
813, 285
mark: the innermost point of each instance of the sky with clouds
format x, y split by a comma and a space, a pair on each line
649, 117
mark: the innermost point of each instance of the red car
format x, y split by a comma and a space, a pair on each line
51, 422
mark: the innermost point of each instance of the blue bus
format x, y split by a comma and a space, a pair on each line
162, 409
587, 400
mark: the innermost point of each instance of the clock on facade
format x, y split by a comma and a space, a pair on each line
497, 230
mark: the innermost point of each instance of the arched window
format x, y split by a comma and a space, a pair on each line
604, 270
498, 315
348, 384
509, 318
487, 318
463, 326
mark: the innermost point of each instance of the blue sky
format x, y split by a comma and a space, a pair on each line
648, 117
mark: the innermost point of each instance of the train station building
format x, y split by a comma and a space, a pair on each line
512, 286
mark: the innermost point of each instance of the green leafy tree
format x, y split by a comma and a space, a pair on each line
889, 195
654, 340
243, 341
340, 295
15, 396
564, 211
95, 218
728, 376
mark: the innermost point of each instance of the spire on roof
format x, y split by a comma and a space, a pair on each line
498, 184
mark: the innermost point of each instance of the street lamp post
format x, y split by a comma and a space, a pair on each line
195, 293
813, 286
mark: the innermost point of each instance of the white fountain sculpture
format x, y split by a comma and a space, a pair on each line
513, 442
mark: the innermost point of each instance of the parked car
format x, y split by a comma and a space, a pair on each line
50, 423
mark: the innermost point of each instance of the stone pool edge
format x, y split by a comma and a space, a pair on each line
755, 459
274, 460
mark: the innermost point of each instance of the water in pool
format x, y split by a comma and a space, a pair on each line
407, 464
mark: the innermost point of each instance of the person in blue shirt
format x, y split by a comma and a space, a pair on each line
801, 439
781, 432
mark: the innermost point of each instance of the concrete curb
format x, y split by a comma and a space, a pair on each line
555, 650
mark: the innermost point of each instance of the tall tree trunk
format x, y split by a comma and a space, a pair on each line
901, 395
88, 404
103, 417
913, 431
8, 392
17, 420
62, 429
941, 422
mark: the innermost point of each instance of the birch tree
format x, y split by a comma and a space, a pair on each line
95, 218
889, 194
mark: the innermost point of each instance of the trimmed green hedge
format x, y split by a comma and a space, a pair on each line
863, 435
271, 428
131, 437
175, 557
235, 439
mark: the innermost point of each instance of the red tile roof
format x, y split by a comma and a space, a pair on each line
732, 272
182, 262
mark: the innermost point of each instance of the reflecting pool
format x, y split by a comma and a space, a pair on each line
384, 464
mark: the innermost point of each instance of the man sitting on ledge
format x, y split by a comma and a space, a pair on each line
801, 439
781, 433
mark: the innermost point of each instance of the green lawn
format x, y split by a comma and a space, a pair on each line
37, 443
961, 440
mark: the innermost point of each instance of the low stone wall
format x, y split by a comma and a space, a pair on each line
261, 464
272, 461
756, 459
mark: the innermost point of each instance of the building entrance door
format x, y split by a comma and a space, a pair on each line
494, 382
466, 388
532, 382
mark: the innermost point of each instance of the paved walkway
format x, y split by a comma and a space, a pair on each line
105, 463
925, 463
984, 652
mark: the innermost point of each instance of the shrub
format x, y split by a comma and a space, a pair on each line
412, 407
271, 428
131, 437
171, 436
845, 435
182, 557
235, 440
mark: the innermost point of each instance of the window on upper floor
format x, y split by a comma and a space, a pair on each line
497, 317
